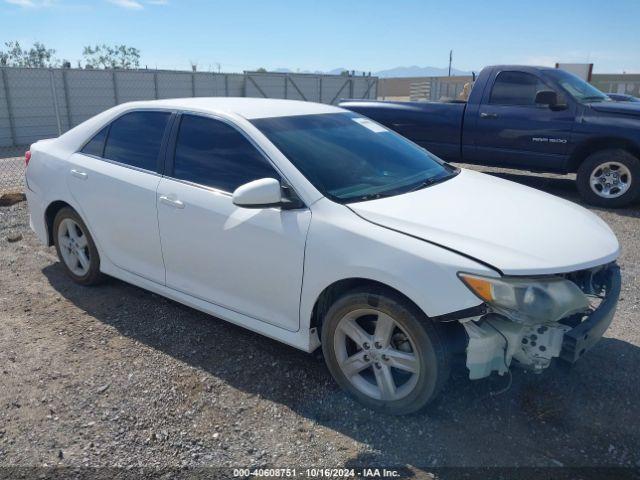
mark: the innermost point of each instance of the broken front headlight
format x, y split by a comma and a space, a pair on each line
529, 300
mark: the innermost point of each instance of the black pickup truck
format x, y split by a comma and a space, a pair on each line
530, 118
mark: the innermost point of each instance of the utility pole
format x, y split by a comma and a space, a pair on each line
450, 59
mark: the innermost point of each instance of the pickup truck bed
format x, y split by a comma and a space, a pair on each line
434, 126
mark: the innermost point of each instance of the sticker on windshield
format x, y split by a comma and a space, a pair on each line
373, 126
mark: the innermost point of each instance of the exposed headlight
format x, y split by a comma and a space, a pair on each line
529, 300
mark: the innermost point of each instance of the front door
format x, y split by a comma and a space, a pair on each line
511, 130
246, 260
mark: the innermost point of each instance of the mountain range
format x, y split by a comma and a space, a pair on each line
412, 71
416, 71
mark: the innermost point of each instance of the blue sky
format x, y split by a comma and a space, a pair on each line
322, 35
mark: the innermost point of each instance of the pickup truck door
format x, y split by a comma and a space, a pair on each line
511, 130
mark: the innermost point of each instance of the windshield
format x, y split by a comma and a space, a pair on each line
350, 158
576, 87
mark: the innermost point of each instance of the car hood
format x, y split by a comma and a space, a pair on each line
515, 229
625, 108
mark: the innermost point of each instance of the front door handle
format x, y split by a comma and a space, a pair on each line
488, 115
79, 174
171, 201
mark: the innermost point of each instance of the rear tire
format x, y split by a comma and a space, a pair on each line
75, 247
384, 352
609, 178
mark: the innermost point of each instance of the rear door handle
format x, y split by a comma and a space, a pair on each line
488, 115
79, 174
171, 201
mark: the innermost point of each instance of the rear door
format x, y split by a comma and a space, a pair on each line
246, 260
511, 130
114, 179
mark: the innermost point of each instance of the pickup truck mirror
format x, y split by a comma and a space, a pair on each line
546, 97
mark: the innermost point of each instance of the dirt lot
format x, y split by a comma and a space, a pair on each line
114, 375
11, 171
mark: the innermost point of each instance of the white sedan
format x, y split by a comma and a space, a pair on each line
316, 226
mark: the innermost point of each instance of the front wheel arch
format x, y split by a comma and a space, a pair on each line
587, 148
340, 287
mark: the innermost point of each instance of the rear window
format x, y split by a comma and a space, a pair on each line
135, 139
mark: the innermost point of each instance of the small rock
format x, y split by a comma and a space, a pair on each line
14, 238
103, 388
9, 199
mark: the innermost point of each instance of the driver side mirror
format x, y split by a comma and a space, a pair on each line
546, 97
549, 98
262, 193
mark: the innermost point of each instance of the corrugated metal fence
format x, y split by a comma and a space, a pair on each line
43, 103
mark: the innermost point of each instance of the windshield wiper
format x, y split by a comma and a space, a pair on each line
371, 196
392, 193
424, 184
431, 181
593, 97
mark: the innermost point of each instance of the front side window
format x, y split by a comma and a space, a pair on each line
212, 153
135, 139
516, 88
350, 158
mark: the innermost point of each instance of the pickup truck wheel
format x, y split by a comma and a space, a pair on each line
384, 352
609, 178
76, 249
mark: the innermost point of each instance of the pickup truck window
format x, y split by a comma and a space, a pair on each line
350, 158
580, 90
516, 88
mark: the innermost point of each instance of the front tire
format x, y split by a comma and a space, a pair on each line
76, 250
384, 352
609, 178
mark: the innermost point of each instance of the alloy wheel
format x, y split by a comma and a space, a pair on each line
74, 247
610, 180
376, 355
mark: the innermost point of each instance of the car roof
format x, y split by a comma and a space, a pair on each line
249, 108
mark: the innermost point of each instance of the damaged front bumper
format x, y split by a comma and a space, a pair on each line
495, 342
586, 333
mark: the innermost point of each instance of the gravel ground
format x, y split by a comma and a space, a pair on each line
11, 172
116, 376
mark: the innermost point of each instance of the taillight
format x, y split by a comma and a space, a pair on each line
27, 157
